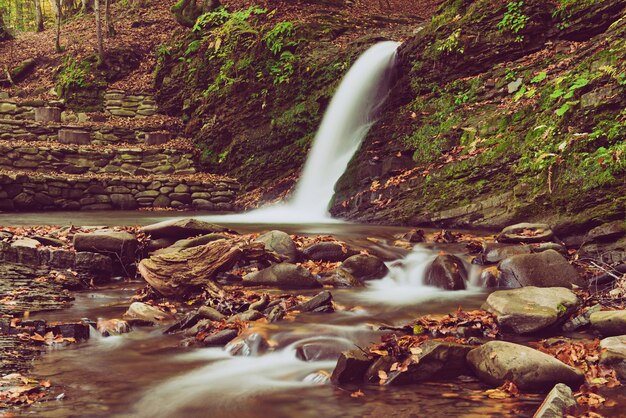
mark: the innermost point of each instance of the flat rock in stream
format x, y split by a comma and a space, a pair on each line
329, 251
545, 269
121, 244
282, 276
526, 233
530, 309
498, 361
322, 302
351, 367
556, 403
365, 267
182, 228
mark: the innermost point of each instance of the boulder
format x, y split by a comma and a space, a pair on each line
212, 314
446, 272
530, 309
220, 338
341, 278
609, 323
331, 251
365, 267
351, 367
495, 255
138, 311
614, 354
435, 360
322, 302
180, 229
282, 276
545, 269
556, 403
323, 348
498, 361
606, 232
122, 244
526, 233
281, 243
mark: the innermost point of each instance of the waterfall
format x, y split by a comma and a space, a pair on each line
345, 124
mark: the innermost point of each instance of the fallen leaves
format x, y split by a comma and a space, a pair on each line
16, 389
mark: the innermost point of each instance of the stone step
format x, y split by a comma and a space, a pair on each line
96, 159
30, 191
85, 133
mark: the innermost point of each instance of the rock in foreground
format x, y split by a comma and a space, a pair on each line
530, 309
499, 361
558, 400
609, 323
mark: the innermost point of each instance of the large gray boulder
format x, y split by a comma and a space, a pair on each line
282, 276
281, 243
331, 251
545, 269
181, 228
614, 354
447, 272
609, 323
365, 267
530, 309
122, 244
499, 361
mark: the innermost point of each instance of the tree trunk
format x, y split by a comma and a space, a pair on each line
107, 17
39, 15
4, 35
57, 12
99, 32
87, 6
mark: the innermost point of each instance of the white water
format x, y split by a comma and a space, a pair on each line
345, 124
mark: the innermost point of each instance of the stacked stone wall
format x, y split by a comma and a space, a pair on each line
120, 103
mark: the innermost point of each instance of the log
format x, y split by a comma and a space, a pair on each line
177, 274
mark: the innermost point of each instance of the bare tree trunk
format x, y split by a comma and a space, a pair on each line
39, 14
107, 17
99, 32
57, 11
87, 6
4, 35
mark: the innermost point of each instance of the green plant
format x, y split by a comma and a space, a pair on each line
73, 74
452, 44
510, 75
278, 38
514, 19
539, 77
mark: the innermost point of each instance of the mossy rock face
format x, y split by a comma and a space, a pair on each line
487, 157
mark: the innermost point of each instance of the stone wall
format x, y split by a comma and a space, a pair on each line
98, 134
10, 109
120, 103
74, 160
30, 192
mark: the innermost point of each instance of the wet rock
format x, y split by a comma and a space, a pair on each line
437, 360
606, 232
202, 324
497, 361
322, 302
260, 304
341, 278
414, 235
209, 313
276, 314
365, 267
331, 251
122, 244
144, 312
614, 354
221, 338
180, 229
48, 241
556, 403
92, 266
447, 272
322, 349
190, 243
489, 277
112, 327
78, 331
496, 255
526, 233
317, 378
351, 367
530, 309
609, 323
581, 320
281, 243
546, 269
283, 276
247, 316
248, 345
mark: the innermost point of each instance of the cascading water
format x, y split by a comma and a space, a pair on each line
345, 124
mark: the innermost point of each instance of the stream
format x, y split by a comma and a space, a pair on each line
146, 373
